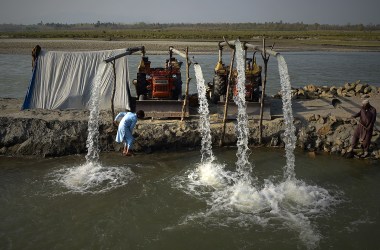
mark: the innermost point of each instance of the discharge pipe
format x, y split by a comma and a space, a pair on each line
248, 45
129, 51
258, 48
181, 54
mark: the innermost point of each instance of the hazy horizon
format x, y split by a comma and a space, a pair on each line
334, 12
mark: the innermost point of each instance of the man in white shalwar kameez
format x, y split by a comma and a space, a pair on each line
126, 122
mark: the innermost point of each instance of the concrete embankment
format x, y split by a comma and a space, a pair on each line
44, 133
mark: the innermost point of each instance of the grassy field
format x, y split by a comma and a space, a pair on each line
195, 34
198, 40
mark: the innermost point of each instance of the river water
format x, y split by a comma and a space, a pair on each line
152, 208
320, 68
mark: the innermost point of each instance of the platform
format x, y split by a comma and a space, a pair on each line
162, 108
253, 110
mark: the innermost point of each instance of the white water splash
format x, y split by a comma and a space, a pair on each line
290, 205
92, 177
208, 172
244, 167
204, 118
92, 143
289, 134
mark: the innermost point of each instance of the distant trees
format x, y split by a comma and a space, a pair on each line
267, 26
199, 31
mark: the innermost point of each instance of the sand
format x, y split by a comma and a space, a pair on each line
25, 46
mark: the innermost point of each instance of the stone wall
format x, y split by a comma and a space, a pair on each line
312, 91
46, 138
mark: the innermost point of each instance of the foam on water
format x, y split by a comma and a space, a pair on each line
92, 177
208, 174
288, 205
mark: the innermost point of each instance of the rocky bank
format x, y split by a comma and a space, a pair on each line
321, 127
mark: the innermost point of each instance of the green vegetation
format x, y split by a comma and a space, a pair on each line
200, 31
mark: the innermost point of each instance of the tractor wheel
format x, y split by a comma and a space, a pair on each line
219, 88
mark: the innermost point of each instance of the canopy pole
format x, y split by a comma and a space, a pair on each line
188, 79
113, 91
265, 57
221, 143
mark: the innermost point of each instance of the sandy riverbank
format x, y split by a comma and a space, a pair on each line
25, 46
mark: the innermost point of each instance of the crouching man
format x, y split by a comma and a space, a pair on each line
364, 130
126, 122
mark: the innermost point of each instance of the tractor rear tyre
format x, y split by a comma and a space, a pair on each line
177, 90
219, 88
141, 85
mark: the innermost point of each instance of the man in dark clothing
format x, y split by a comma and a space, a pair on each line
364, 130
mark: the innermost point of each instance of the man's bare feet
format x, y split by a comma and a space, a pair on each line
127, 153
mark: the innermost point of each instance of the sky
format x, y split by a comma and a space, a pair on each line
190, 11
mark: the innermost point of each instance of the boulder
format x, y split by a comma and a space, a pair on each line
348, 87
311, 88
359, 88
339, 91
312, 95
376, 154
325, 130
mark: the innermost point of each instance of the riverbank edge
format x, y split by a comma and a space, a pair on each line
52, 133
25, 45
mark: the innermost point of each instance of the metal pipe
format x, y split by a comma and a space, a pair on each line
178, 52
258, 48
227, 43
128, 51
191, 60
248, 45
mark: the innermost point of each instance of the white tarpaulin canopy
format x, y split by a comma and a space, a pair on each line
64, 80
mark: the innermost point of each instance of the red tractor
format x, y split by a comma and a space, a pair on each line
159, 90
159, 83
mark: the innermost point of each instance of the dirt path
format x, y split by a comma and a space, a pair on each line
25, 46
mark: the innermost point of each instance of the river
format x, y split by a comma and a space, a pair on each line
153, 208
319, 68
